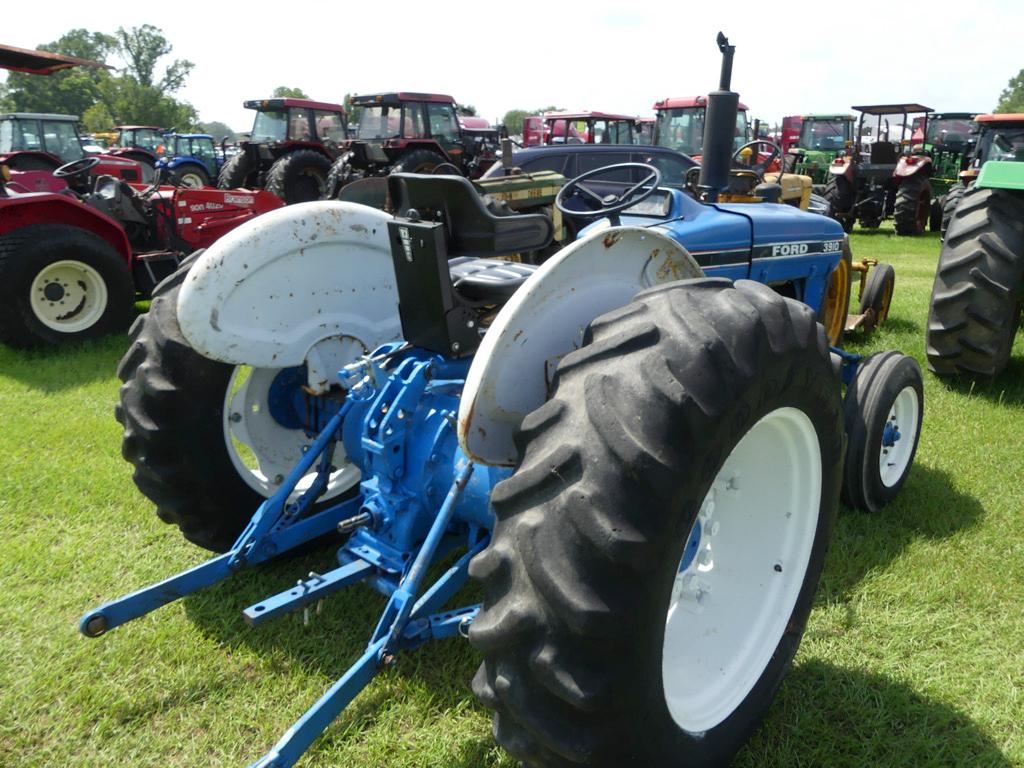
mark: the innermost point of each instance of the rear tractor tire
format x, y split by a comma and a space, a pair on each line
976, 298
658, 548
61, 285
299, 176
340, 175
200, 433
418, 161
913, 205
949, 204
841, 196
237, 173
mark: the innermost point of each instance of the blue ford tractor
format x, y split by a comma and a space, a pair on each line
637, 448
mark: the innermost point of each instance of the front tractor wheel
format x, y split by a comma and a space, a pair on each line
299, 176
189, 176
209, 441
657, 550
61, 284
913, 205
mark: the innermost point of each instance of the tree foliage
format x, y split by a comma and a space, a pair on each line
217, 129
466, 110
141, 48
284, 92
1012, 97
513, 119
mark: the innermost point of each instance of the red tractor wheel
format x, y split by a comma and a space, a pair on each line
913, 205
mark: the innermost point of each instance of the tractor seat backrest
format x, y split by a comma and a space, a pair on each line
471, 229
883, 152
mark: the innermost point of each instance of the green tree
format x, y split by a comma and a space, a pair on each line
142, 47
70, 91
216, 129
97, 118
284, 92
1012, 97
466, 110
513, 119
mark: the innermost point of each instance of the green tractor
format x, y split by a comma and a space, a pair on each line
979, 284
822, 139
949, 139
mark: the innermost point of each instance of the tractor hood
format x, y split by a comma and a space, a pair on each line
775, 223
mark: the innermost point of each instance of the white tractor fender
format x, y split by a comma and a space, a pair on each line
313, 280
545, 320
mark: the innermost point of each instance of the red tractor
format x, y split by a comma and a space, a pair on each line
290, 150
33, 145
73, 262
145, 144
580, 128
410, 132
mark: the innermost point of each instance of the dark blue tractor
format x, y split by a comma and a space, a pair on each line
637, 448
190, 160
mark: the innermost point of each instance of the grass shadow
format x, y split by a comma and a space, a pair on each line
843, 718
1007, 389
927, 507
57, 369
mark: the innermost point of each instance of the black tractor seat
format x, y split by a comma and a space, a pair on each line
487, 281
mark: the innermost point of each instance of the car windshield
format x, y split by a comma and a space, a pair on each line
270, 125
682, 129
61, 139
378, 122
949, 131
826, 135
1002, 144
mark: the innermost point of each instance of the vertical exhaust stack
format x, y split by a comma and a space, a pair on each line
719, 129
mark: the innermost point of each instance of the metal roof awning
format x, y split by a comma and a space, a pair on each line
41, 62
892, 109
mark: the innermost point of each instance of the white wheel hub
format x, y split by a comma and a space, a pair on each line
742, 570
898, 437
262, 450
68, 296
192, 180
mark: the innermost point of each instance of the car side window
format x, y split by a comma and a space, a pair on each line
546, 162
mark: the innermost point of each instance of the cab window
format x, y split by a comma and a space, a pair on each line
329, 126
298, 125
412, 121
443, 123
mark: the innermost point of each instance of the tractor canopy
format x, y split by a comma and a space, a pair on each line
397, 98
826, 133
56, 135
41, 62
300, 120
949, 131
589, 127
1000, 151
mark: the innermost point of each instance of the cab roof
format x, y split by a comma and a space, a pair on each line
1003, 118
38, 116
893, 109
819, 116
680, 102
587, 115
286, 103
951, 115
138, 128
396, 97
41, 62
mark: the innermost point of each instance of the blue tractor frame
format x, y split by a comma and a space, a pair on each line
421, 498
176, 165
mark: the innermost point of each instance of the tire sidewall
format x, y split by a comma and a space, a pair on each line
867, 404
46, 245
717, 745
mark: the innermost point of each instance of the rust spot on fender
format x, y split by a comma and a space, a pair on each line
611, 239
358, 227
518, 334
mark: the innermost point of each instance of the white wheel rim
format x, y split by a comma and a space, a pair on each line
732, 603
262, 450
68, 296
898, 437
192, 181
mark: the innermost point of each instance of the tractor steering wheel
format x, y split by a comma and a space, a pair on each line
610, 204
759, 168
76, 167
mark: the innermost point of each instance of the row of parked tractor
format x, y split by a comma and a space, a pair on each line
612, 391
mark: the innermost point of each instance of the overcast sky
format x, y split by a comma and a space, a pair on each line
791, 57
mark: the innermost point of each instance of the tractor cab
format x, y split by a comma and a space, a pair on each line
190, 159
679, 124
146, 138
589, 128
289, 121
821, 139
33, 145
1000, 138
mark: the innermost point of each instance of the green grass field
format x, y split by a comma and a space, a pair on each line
914, 655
